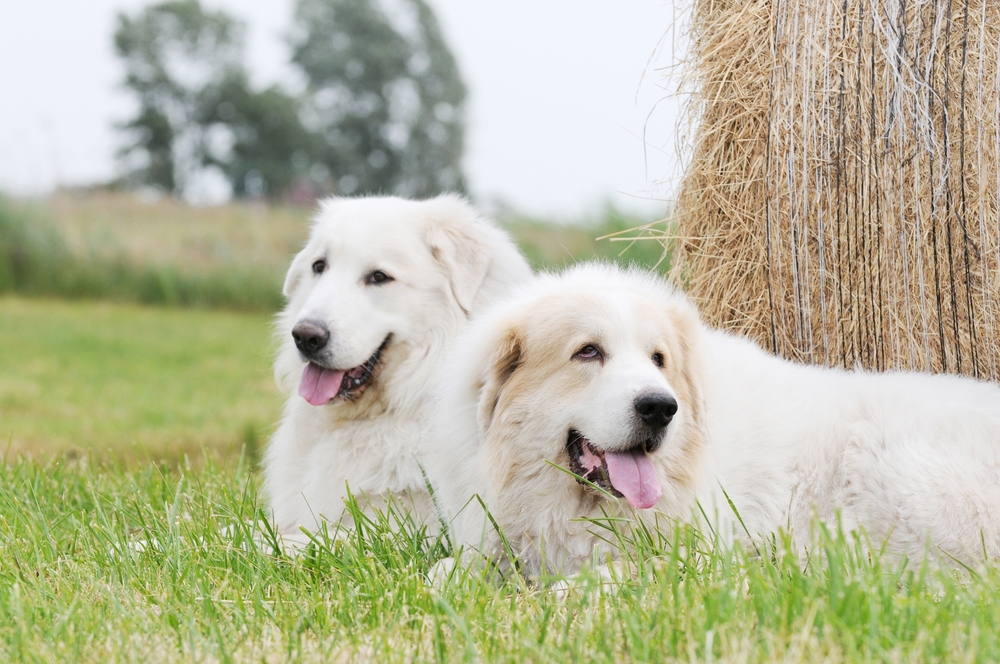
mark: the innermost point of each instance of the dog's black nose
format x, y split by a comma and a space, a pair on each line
655, 409
310, 337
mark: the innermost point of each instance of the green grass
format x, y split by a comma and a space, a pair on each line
37, 259
142, 381
77, 585
119, 378
109, 554
113, 246
609, 236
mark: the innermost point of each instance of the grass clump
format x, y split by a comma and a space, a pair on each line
160, 564
36, 259
611, 235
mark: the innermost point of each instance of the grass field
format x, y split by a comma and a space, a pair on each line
122, 379
110, 555
115, 246
129, 494
166, 232
103, 564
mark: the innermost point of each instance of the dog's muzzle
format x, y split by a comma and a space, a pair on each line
311, 337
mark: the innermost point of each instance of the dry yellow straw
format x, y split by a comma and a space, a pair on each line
840, 205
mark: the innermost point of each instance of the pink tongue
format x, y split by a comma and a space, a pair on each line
633, 474
319, 385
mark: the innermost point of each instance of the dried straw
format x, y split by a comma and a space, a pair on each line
840, 204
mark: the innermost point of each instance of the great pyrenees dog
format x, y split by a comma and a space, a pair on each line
610, 374
380, 290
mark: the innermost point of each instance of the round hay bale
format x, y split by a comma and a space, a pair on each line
840, 204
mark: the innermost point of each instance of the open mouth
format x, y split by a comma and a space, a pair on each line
321, 385
629, 474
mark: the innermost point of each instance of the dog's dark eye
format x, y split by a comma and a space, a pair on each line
377, 277
589, 352
658, 359
319, 266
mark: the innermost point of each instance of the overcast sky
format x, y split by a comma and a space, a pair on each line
561, 93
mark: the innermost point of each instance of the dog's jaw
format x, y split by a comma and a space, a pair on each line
588, 463
322, 385
628, 474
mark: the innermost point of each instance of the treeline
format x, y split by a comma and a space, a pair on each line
380, 109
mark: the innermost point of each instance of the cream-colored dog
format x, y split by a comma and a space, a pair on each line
611, 374
379, 291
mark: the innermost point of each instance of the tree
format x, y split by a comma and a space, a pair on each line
172, 53
383, 111
264, 145
386, 99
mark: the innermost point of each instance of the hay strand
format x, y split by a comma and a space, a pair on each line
840, 204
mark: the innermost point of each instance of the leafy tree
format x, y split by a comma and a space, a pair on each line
172, 52
386, 99
264, 145
383, 110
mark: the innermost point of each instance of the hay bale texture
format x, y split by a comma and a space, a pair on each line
840, 204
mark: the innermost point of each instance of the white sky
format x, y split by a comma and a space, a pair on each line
560, 92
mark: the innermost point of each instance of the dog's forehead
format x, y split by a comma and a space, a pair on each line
353, 235
609, 316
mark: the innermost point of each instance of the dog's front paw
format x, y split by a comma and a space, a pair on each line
605, 579
440, 573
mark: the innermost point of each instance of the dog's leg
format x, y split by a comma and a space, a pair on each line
441, 573
605, 578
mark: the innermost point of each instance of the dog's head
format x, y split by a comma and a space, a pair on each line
592, 371
379, 279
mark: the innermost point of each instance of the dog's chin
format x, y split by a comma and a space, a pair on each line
322, 384
357, 380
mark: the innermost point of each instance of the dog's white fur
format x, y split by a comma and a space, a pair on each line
912, 459
446, 262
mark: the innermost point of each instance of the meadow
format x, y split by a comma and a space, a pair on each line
113, 564
112, 245
122, 380
130, 505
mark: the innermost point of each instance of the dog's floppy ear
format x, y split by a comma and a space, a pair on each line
501, 364
325, 212
686, 326
295, 273
457, 245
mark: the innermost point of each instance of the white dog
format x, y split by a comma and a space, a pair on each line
381, 288
611, 374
